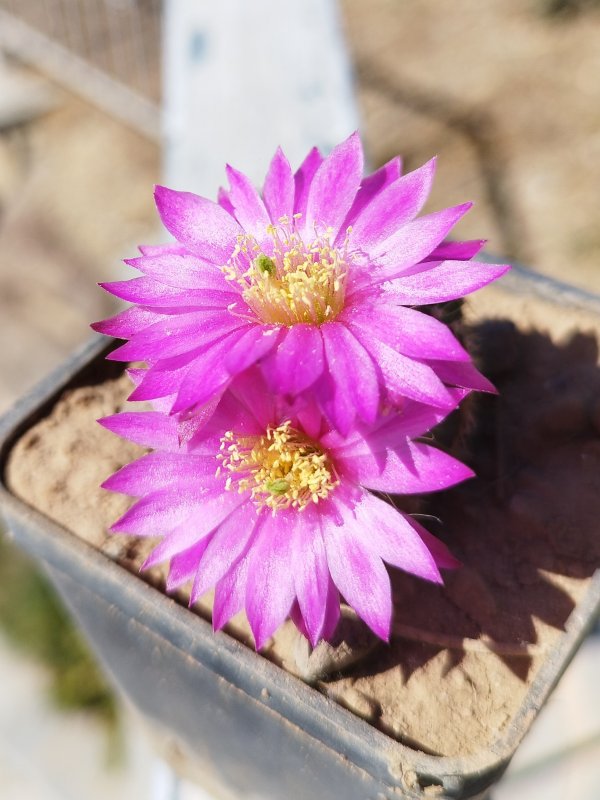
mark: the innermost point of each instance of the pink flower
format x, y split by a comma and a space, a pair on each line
265, 502
315, 280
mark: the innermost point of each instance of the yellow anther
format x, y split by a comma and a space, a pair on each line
292, 282
281, 469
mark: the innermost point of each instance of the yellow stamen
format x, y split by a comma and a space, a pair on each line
295, 282
281, 469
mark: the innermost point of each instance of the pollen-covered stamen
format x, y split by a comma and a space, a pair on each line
281, 469
292, 282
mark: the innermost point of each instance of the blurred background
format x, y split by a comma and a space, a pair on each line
100, 99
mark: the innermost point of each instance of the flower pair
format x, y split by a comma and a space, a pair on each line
290, 372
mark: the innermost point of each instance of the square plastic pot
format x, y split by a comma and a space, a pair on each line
250, 727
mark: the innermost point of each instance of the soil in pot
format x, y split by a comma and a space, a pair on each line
461, 656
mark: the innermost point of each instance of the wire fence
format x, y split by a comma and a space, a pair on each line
108, 51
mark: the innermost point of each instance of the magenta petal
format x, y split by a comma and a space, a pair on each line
184, 565
392, 536
355, 383
252, 346
249, 208
182, 272
311, 574
360, 576
446, 281
160, 382
371, 186
332, 612
303, 179
148, 292
160, 470
148, 428
410, 332
393, 207
157, 512
278, 192
456, 251
227, 545
412, 468
270, 588
202, 226
161, 249
443, 557
334, 188
297, 361
207, 375
403, 376
127, 323
415, 240
224, 201
462, 374
230, 594
206, 514
177, 334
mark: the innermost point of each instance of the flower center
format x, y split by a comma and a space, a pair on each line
282, 468
285, 281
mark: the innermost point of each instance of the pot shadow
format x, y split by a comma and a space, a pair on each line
526, 529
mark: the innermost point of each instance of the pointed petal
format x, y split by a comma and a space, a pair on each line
456, 251
182, 272
409, 331
392, 536
249, 208
252, 346
148, 428
148, 292
158, 512
361, 578
161, 249
393, 207
207, 375
311, 574
462, 374
230, 594
403, 376
202, 226
355, 383
278, 191
206, 515
332, 612
334, 187
297, 361
229, 543
446, 281
370, 188
184, 565
160, 470
414, 241
270, 587
443, 557
303, 179
224, 201
127, 323
411, 468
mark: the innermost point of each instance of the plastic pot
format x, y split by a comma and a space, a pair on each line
252, 729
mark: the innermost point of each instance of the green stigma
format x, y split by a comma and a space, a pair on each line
279, 486
265, 264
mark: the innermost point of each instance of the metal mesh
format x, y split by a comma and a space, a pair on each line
106, 50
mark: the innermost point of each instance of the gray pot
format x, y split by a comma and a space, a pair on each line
254, 729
